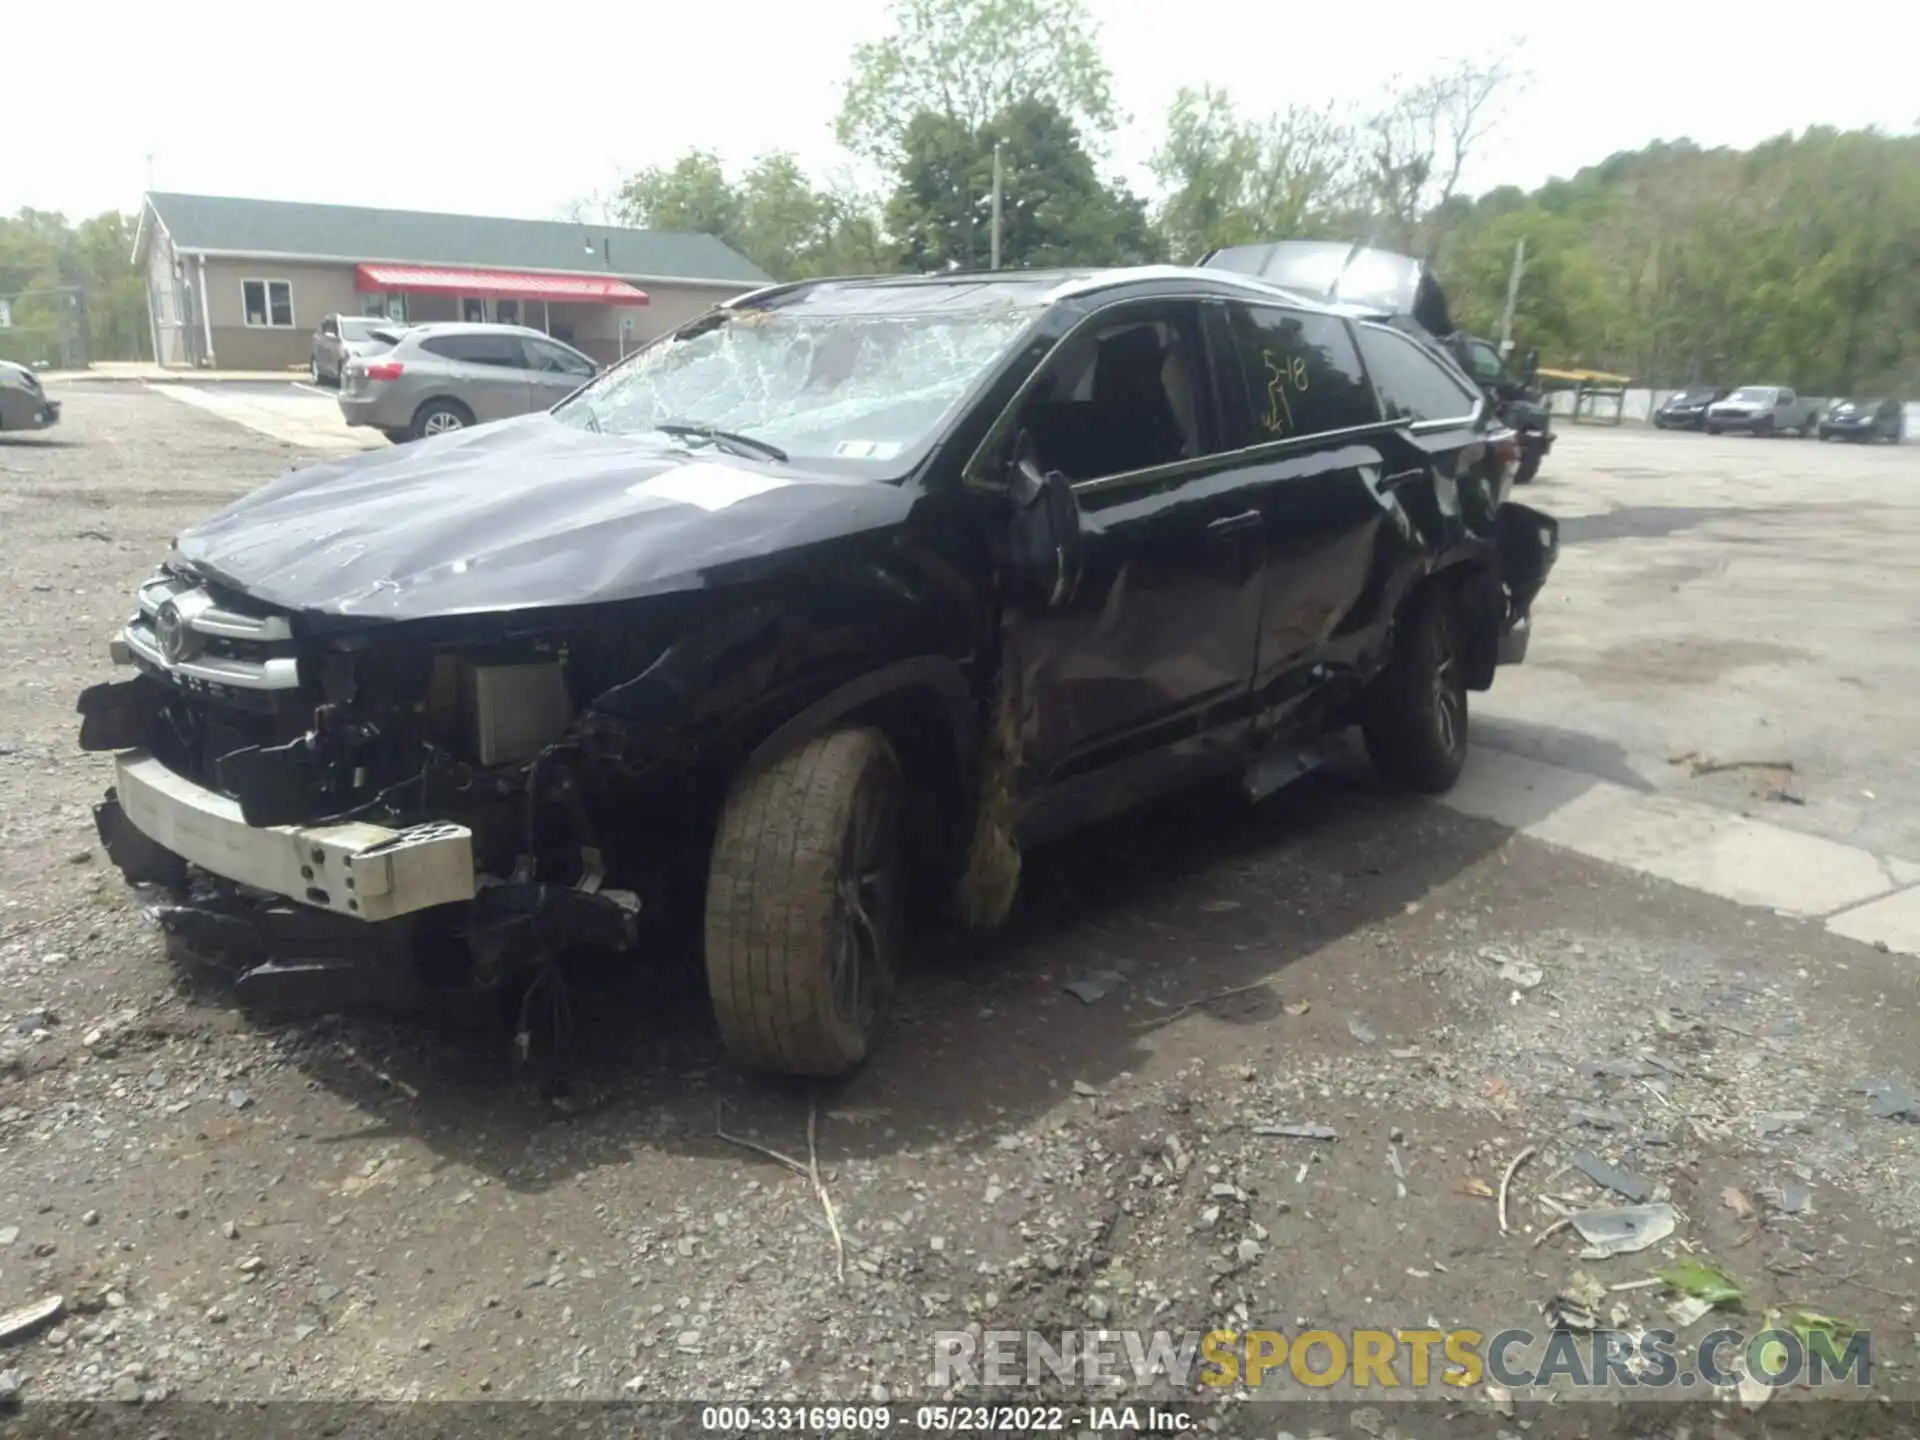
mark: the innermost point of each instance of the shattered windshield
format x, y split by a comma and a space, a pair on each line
866, 385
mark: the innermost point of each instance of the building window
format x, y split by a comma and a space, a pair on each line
377, 306
268, 303
473, 312
507, 312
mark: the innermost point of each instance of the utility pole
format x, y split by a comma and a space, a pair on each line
994, 244
1513, 296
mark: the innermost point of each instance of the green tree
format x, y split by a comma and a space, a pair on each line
59, 274
1055, 210
773, 214
967, 61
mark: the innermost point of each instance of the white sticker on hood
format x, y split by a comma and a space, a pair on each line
711, 487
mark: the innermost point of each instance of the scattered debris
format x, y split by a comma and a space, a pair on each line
1622, 1229
1084, 1090
1521, 975
1796, 1199
1473, 1185
1573, 1307
1360, 1031
1703, 1280
1741, 1206
1177, 1012
1809, 1323
1780, 795
1688, 1310
1298, 1007
1754, 1392
1094, 985
1506, 1181
1607, 1177
28, 1318
1298, 1132
1891, 1100
810, 1170
1700, 765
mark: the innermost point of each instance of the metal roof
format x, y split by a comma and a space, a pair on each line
352, 234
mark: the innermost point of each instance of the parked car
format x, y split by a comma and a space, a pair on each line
1687, 409
437, 378
1864, 420
1762, 410
1402, 290
847, 588
341, 337
24, 403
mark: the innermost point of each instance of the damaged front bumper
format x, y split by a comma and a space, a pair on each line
366, 872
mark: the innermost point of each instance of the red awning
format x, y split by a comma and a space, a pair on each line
497, 284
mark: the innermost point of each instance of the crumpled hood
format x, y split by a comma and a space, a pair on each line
525, 514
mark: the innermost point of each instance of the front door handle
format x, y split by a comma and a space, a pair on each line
1246, 520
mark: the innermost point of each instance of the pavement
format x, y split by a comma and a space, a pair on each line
1659, 938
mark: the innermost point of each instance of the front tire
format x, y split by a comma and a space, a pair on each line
804, 906
1529, 467
1415, 714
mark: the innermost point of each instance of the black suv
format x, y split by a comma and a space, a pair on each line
1864, 420
1687, 409
845, 587
1400, 291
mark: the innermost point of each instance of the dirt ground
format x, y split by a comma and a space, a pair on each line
382, 1209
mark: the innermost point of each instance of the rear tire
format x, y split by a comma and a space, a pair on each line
439, 417
1713, 429
1763, 430
804, 912
1529, 467
1415, 714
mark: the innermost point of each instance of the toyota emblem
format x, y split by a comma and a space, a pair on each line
172, 633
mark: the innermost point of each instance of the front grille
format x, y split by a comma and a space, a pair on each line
196, 640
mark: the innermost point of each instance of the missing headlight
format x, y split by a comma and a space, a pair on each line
502, 713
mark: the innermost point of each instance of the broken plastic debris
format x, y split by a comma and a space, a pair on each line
1608, 1177
1298, 1132
1703, 1280
1687, 1310
30, 1317
1891, 1100
1521, 975
1357, 1028
1094, 985
1796, 1199
1622, 1229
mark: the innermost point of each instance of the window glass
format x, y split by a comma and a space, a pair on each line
497, 350
1302, 374
267, 302
1126, 396
474, 312
1485, 362
507, 312
555, 359
1412, 384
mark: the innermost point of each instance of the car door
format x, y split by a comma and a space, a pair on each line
1786, 411
1141, 675
483, 370
554, 371
327, 348
1315, 451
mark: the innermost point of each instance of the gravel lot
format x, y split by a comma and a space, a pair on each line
364, 1208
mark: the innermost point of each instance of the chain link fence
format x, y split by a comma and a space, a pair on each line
46, 329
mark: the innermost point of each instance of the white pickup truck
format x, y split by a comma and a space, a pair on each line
1764, 410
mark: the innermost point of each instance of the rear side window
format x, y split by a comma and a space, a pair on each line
1412, 384
500, 350
1301, 371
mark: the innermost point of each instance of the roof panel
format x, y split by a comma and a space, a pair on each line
355, 233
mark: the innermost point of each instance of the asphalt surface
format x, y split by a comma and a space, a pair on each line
362, 1208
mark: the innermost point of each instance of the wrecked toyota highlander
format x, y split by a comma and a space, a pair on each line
846, 589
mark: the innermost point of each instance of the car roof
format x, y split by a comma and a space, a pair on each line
474, 327
1055, 285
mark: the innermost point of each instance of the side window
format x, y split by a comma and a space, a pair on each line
498, 350
1785, 398
1485, 362
1123, 394
1412, 384
1302, 373
554, 359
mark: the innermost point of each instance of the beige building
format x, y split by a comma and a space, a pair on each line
243, 284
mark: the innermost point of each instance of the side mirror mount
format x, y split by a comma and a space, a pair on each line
1044, 537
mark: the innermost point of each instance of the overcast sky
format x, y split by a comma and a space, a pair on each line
512, 110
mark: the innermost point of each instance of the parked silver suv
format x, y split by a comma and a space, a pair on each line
445, 377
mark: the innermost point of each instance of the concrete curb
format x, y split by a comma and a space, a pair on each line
1853, 892
170, 377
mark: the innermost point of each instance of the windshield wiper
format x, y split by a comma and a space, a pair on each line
729, 440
